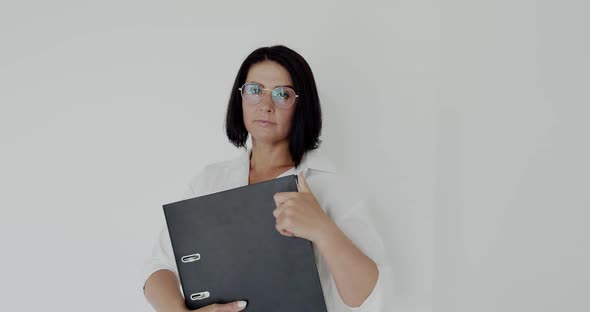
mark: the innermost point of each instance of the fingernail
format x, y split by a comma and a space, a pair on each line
242, 304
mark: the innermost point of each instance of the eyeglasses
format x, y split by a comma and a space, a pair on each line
282, 97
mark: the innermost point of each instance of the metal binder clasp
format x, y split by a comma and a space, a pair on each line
190, 258
200, 296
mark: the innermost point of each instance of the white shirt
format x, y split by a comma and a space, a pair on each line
337, 198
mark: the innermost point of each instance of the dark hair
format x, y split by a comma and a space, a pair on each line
306, 125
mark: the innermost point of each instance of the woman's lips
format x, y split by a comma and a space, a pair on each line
265, 123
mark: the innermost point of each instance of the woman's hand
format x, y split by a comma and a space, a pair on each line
299, 213
218, 307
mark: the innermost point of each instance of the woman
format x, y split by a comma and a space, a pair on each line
284, 128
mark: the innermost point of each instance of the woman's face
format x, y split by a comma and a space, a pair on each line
264, 121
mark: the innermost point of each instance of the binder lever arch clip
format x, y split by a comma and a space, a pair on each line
200, 296
191, 258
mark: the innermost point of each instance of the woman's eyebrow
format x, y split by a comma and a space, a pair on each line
285, 85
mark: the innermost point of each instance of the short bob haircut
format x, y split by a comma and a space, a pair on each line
306, 125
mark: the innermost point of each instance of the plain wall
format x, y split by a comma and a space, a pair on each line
512, 203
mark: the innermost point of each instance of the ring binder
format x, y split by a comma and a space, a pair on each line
245, 257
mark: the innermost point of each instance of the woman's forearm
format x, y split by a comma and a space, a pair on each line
163, 293
355, 274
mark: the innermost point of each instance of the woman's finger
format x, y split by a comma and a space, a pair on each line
225, 307
282, 231
282, 197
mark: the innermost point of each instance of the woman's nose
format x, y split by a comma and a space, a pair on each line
266, 103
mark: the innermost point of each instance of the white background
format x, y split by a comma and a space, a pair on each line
464, 122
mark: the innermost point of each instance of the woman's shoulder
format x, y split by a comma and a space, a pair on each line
236, 162
216, 176
333, 186
337, 193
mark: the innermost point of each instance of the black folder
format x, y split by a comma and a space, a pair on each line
226, 249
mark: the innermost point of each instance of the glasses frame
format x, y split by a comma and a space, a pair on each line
271, 91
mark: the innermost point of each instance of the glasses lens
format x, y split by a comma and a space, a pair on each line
252, 93
283, 97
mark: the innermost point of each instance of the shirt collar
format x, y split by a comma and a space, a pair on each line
315, 160
312, 159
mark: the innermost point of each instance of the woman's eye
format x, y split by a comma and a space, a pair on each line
254, 90
282, 94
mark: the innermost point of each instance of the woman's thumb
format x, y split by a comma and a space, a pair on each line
241, 305
234, 306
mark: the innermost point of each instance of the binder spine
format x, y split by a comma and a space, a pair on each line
193, 258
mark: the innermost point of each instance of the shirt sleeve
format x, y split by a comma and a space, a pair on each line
162, 255
359, 228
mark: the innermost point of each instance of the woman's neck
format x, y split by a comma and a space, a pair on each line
268, 158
